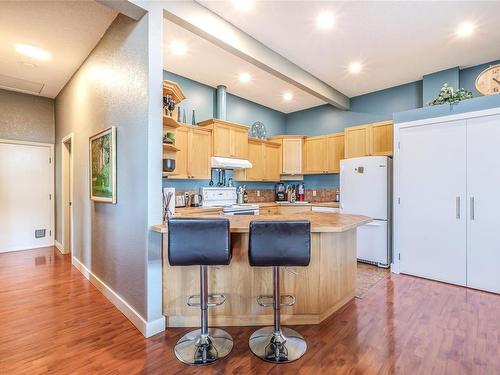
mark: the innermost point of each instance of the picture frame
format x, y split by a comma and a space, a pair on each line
102, 166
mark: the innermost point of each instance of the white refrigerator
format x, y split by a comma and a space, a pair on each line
365, 189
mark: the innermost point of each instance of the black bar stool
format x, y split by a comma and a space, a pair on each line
201, 242
278, 244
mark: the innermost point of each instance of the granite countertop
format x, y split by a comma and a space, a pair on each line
320, 222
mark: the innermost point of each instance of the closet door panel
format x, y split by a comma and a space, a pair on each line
483, 190
432, 201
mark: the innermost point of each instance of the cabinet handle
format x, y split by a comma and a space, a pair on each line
457, 207
472, 208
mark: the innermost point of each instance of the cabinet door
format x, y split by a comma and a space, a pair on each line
272, 159
222, 141
181, 156
292, 156
432, 215
334, 151
314, 155
256, 157
286, 210
200, 151
357, 140
239, 143
483, 179
381, 139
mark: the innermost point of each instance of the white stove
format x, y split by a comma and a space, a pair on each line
225, 197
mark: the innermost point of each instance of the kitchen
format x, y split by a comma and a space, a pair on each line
244, 184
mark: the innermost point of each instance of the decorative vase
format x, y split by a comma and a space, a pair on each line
193, 120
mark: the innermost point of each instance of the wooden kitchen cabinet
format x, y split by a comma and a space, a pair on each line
381, 138
195, 149
315, 159
229, 140
334, 151
289, 209
269, 210
265, 158
357, 141
291, 159
370, 139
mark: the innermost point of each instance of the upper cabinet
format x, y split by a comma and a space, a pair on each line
370, 139
230, 140
322, 154
334, 151
195, 149
291, 158
265, 159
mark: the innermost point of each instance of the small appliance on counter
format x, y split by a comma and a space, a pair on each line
301, 192
226, 198
196, 200
180, 201
280, 192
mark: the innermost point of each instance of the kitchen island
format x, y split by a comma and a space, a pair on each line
321, 288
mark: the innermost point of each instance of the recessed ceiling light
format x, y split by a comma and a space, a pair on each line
245, 77
355, 67
287, 96
245, 5
32, 51
325, 20
466, 29
178, 48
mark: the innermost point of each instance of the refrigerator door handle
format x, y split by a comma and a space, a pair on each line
472, 208
457, 205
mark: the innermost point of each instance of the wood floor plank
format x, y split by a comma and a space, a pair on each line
53, 321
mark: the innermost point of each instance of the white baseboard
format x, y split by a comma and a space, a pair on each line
146, 328
59, 246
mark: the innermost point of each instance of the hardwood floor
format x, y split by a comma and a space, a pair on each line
52, 320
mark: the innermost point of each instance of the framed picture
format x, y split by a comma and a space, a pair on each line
102, 162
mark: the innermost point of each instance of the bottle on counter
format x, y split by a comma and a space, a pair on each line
337, 195
245, 194
301, 191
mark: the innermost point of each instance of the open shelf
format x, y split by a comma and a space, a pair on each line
170, 122
169, 147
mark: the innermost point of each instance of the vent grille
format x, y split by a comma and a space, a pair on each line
40, 233
12, 83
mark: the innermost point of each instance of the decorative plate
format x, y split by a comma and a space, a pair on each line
258, 130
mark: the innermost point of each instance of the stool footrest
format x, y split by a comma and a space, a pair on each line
261, 300
213, 300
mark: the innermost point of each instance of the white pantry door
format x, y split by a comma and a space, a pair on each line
483, 190
25, 206
432, 223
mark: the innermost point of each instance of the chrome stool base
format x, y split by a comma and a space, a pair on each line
283, 346
194, 349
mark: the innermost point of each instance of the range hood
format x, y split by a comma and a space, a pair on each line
229, 163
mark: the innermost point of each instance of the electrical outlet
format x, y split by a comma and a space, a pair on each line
314, 193
258, 193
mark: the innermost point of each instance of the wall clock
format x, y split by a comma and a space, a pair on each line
488, 81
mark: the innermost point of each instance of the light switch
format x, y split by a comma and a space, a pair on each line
258, 193
314, 193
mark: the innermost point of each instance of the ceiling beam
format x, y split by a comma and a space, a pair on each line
208, 25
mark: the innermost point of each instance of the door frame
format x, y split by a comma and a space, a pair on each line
64, 245
395, 265
50, 146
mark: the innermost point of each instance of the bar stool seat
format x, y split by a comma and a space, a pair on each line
201, 242
278, 244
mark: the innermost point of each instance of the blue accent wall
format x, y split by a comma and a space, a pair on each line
433, 82
386, 102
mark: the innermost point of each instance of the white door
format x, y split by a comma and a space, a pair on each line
432, 222
25, 204
364, 186
483, 190
372, 243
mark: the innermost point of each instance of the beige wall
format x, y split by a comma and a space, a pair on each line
111, 89
26, 117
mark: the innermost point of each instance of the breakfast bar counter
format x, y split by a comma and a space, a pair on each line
321, 288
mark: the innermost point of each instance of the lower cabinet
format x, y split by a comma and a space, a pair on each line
269, 210
265, 159
447, 216
289, 209
192, 161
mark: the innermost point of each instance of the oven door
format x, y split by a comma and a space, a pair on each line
242, 212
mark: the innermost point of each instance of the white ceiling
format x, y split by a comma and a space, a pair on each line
209, 64
397, 42
69, 30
